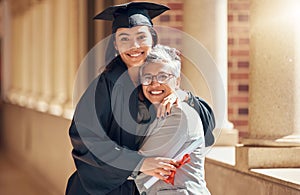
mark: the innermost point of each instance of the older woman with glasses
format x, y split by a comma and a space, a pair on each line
174, 134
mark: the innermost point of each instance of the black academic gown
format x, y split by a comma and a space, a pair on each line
103, 134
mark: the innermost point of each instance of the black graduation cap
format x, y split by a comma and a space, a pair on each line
131, 14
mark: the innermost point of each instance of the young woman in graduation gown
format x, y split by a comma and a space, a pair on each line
108, 126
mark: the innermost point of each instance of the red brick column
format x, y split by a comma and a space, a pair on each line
238, 64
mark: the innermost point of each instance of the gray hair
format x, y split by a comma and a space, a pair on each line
165, 55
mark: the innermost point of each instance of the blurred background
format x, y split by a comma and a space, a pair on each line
255, 46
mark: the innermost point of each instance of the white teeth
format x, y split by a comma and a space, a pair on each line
156, 92
135, 55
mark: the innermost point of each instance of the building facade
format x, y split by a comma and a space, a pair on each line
254, 45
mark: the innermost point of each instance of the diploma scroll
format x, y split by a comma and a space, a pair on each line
187, 150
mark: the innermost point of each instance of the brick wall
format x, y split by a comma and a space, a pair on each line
238, 64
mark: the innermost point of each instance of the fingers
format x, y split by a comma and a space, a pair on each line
160, 176
158, 166
166, 105
168, 166
161, 111
170, 98
162, 172
168, 108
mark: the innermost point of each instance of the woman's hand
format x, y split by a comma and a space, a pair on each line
165, 106
182, 95
159, 167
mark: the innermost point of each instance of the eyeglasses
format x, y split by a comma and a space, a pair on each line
161, 78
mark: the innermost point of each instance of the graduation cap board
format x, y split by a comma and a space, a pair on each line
131, 14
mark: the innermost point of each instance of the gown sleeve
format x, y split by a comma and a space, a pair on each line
103, 162
207, 116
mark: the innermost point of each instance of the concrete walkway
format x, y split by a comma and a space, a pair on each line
15, 180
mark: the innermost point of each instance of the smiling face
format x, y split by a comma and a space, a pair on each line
133, 44
156, 92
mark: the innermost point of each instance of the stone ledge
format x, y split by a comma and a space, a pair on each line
289, 175
287, 141
222, 179
267, 157
222, 158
